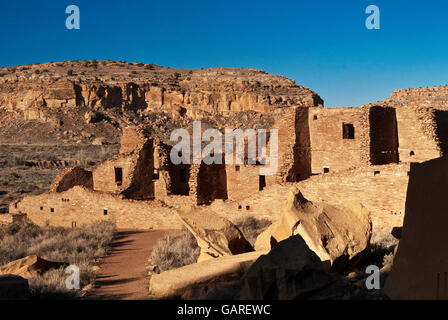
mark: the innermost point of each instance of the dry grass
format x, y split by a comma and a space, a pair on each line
251, 227
175, 251
82, 247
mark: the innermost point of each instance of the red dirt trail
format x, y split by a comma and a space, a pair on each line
123, 272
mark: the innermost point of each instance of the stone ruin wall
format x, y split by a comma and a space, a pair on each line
83, 206
416, 134
71, 177
329, 149
381, 189
131, 171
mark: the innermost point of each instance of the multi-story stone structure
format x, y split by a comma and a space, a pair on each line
140, 187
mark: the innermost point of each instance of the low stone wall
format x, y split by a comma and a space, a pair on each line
79, 206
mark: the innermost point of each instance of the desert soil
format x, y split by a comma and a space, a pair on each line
123, 274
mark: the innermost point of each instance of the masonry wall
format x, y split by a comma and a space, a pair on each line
104, 175
71, 177
417, 139
328, 147
441, 130
212, 183
243, 181
302, 148
82, 206
381, 189
292, 139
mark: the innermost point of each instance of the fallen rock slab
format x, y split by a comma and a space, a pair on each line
336, 234
216, 236
196, 280
29, 266
289, 271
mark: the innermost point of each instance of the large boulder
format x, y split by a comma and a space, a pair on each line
420, 266
29, 266
199, 279
13, 287
216, 236
336, 234
289, 271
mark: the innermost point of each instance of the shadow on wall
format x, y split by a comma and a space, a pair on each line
212, 183
441, 119
302, 148
383, 136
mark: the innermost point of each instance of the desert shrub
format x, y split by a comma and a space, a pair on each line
70, 72
50, 285
81, 247
251, 227
175, 251
18, 162
36, 71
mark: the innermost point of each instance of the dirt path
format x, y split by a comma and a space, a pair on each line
123, 271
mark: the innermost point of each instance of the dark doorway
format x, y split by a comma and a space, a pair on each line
348, 131
383, 135
262, 182
179, 180
119, 176
183, 175
212, 183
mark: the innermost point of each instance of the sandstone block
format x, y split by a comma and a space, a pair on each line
196, 279
215, 235
29, 266
336, 234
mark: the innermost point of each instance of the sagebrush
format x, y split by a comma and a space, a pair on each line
81, 247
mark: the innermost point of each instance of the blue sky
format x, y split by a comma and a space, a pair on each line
323, 45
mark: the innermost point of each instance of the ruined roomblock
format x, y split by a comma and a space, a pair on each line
71, 177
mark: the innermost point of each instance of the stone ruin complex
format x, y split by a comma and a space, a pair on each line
360, 153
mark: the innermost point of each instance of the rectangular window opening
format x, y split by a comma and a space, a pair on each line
156, 175
261, 183
119, 176
348, 131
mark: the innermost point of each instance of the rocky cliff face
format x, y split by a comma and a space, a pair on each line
60, 98
434, 97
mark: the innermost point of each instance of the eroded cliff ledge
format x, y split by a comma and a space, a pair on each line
77, 99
